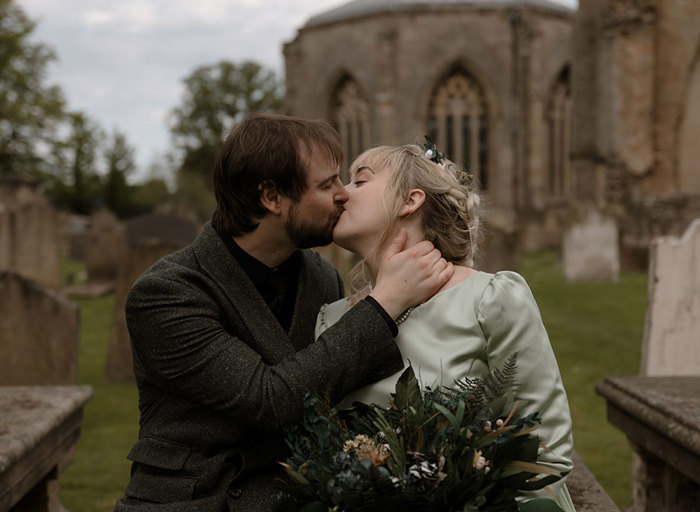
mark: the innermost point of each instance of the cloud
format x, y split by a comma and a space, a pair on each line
122, 62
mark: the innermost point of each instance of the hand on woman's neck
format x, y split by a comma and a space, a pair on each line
415, 235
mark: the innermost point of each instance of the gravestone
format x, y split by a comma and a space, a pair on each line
105, 246
39, 332
671, 343
590, 250
29, 243
148, 238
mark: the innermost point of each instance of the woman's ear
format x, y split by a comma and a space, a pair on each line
415, 199
269, 197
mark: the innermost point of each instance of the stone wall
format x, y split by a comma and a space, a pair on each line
636, 91
515, 54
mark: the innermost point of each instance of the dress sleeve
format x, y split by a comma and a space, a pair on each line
511, 322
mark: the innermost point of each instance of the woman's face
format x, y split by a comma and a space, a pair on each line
363, 222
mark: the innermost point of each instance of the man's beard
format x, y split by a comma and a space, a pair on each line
306, 233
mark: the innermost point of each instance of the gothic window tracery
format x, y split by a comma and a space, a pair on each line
458, 122
559, 137
350, 116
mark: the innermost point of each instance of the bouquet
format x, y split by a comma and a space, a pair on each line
460, 448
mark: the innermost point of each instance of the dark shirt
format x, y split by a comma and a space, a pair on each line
278, 286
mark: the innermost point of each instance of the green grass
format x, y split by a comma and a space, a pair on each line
71, 271
99, 474
595, 329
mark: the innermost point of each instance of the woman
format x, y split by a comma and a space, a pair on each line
477, 319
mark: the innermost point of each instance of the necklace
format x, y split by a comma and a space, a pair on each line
401, 319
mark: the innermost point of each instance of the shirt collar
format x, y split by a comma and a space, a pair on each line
255, 269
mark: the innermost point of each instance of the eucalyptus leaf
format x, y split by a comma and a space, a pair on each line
540, 505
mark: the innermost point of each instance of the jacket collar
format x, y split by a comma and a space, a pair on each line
216, 260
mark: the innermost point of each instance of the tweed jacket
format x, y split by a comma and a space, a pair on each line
218, 377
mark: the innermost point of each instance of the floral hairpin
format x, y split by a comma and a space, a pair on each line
464, 178
431, 151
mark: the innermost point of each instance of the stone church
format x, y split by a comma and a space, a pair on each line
553, 109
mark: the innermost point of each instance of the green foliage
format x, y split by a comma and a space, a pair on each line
195, 191
30, 107
447, 449
74, 184
119, 158
217, 96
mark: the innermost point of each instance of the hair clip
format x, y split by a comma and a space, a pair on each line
464, 178
431, 151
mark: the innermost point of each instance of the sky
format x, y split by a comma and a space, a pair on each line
122, 61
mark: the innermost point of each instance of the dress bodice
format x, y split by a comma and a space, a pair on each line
466, 330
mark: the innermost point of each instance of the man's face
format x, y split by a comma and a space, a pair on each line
310, 221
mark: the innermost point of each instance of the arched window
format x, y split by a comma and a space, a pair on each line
559, 136
458, 123
350, 116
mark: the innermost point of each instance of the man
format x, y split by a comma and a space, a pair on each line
222, 331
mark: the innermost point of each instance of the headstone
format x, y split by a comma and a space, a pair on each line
29, 243
39, 332
164, 228
105, 246
148, 239
76, 229
590, 250
671, 343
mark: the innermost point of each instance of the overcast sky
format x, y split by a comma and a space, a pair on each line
122, 61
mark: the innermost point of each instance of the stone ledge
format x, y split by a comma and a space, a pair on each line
586, 492
39, 431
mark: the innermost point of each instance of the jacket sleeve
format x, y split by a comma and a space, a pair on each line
179, 341
511, 322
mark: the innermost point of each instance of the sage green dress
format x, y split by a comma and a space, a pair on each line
466, 330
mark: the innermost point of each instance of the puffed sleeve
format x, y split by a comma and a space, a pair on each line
511, 322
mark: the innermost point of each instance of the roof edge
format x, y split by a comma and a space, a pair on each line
361, 8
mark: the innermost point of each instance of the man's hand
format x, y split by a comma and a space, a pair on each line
408, 277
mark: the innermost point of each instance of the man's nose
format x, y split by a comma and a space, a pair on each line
341, 195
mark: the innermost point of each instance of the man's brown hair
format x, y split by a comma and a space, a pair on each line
266, 147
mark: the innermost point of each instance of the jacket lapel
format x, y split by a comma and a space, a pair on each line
306, 306
216, 261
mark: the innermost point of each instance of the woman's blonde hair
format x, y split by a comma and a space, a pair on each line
451, 211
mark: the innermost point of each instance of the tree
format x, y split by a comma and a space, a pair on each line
75, 184
119, 158
30, 108
216, 97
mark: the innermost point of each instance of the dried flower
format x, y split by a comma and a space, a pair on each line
366, 448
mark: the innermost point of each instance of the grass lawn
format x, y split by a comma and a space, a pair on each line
595, 329
98, 475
